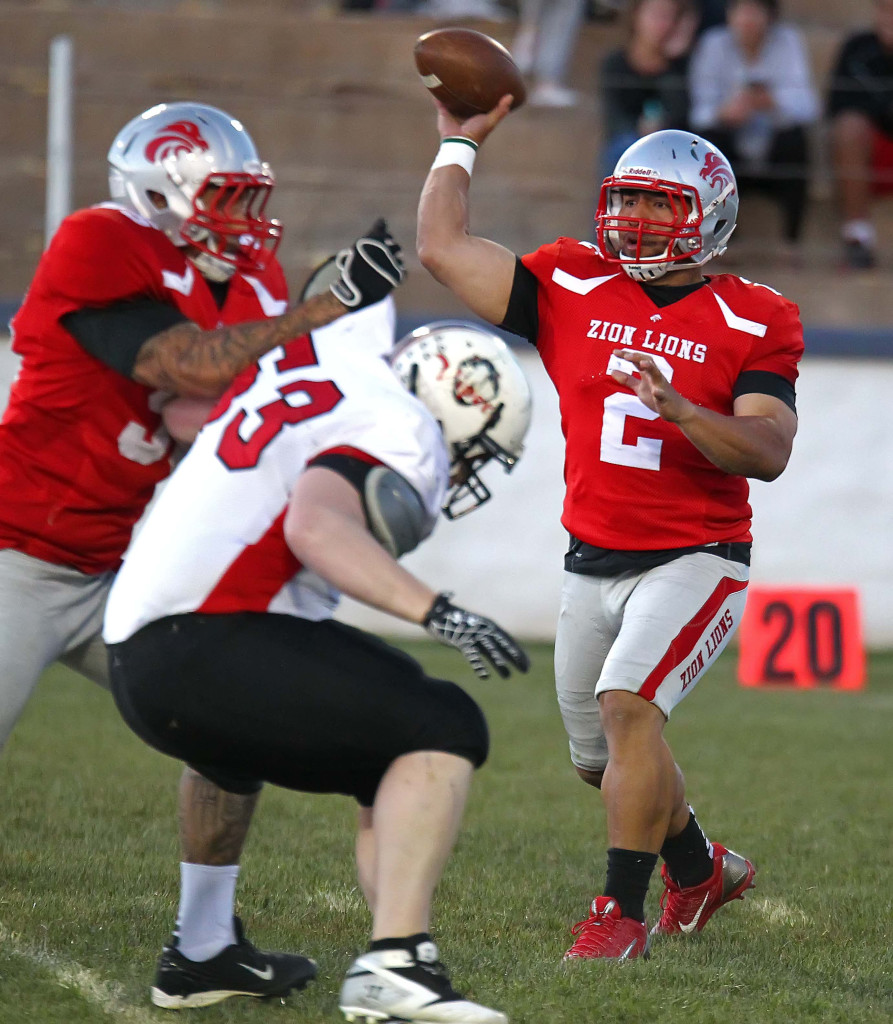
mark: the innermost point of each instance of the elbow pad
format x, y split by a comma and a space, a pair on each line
394, 511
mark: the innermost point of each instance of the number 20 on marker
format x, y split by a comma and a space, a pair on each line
803, 638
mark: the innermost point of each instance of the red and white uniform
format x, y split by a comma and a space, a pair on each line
331, 394
81, 446
634, 481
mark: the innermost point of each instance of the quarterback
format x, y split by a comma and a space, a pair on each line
171, 288
673, 387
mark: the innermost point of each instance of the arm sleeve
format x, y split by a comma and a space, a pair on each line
522, 315
762, 382
114, 334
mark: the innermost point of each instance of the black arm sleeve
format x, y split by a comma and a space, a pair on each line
762, 382
352, 469
522, 315
115, 334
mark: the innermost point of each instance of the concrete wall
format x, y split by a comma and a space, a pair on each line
827, 520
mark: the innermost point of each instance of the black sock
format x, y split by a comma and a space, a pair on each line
687, 855
430, 973
407, 942
629, 872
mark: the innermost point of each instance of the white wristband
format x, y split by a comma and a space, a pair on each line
455, 150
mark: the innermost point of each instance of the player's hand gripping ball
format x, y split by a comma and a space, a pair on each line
467, 71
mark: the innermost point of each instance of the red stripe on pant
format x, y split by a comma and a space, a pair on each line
684, 641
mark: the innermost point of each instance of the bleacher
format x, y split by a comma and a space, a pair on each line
335, 104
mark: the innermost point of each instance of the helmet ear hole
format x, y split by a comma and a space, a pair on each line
156, 199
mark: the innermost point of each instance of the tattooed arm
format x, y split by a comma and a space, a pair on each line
184, 359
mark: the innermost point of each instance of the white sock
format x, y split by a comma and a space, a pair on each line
205, 917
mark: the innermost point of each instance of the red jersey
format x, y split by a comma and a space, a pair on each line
81, 446
634, 481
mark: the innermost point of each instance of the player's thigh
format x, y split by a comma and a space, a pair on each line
588, 622
44, 610
677, 620
312, 706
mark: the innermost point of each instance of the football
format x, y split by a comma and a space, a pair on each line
467, 71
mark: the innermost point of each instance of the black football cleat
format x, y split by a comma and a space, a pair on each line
238, 970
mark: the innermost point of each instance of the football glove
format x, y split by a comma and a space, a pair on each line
476, 637
370, 269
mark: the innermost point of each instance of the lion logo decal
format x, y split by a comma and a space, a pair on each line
174, 139
716, 171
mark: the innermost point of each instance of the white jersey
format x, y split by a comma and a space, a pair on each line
214, 541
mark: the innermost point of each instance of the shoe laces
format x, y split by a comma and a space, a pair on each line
676, 900
597, 919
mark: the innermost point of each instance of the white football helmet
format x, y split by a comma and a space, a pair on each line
703, 194
194, 172
473, 386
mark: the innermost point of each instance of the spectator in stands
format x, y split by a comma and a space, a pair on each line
643, 85
860, 108
752, 96
544, 45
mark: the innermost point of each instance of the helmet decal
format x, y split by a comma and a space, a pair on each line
476, 382
174, 139
716, 171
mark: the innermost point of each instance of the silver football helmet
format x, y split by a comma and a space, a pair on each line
471, 383
194, 172
703, 196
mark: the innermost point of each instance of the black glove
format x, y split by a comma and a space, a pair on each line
370, 269
476, 637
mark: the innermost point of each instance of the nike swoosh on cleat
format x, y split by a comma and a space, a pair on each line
265, 975
693, 923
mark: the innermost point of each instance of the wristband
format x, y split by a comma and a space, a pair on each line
456, 150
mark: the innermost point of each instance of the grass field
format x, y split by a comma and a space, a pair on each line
798, 781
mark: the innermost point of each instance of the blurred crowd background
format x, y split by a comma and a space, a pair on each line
799, 93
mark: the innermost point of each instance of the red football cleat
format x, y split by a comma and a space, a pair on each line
688, 910
607, 935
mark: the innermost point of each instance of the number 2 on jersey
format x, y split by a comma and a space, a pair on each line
318, 397
644, 453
